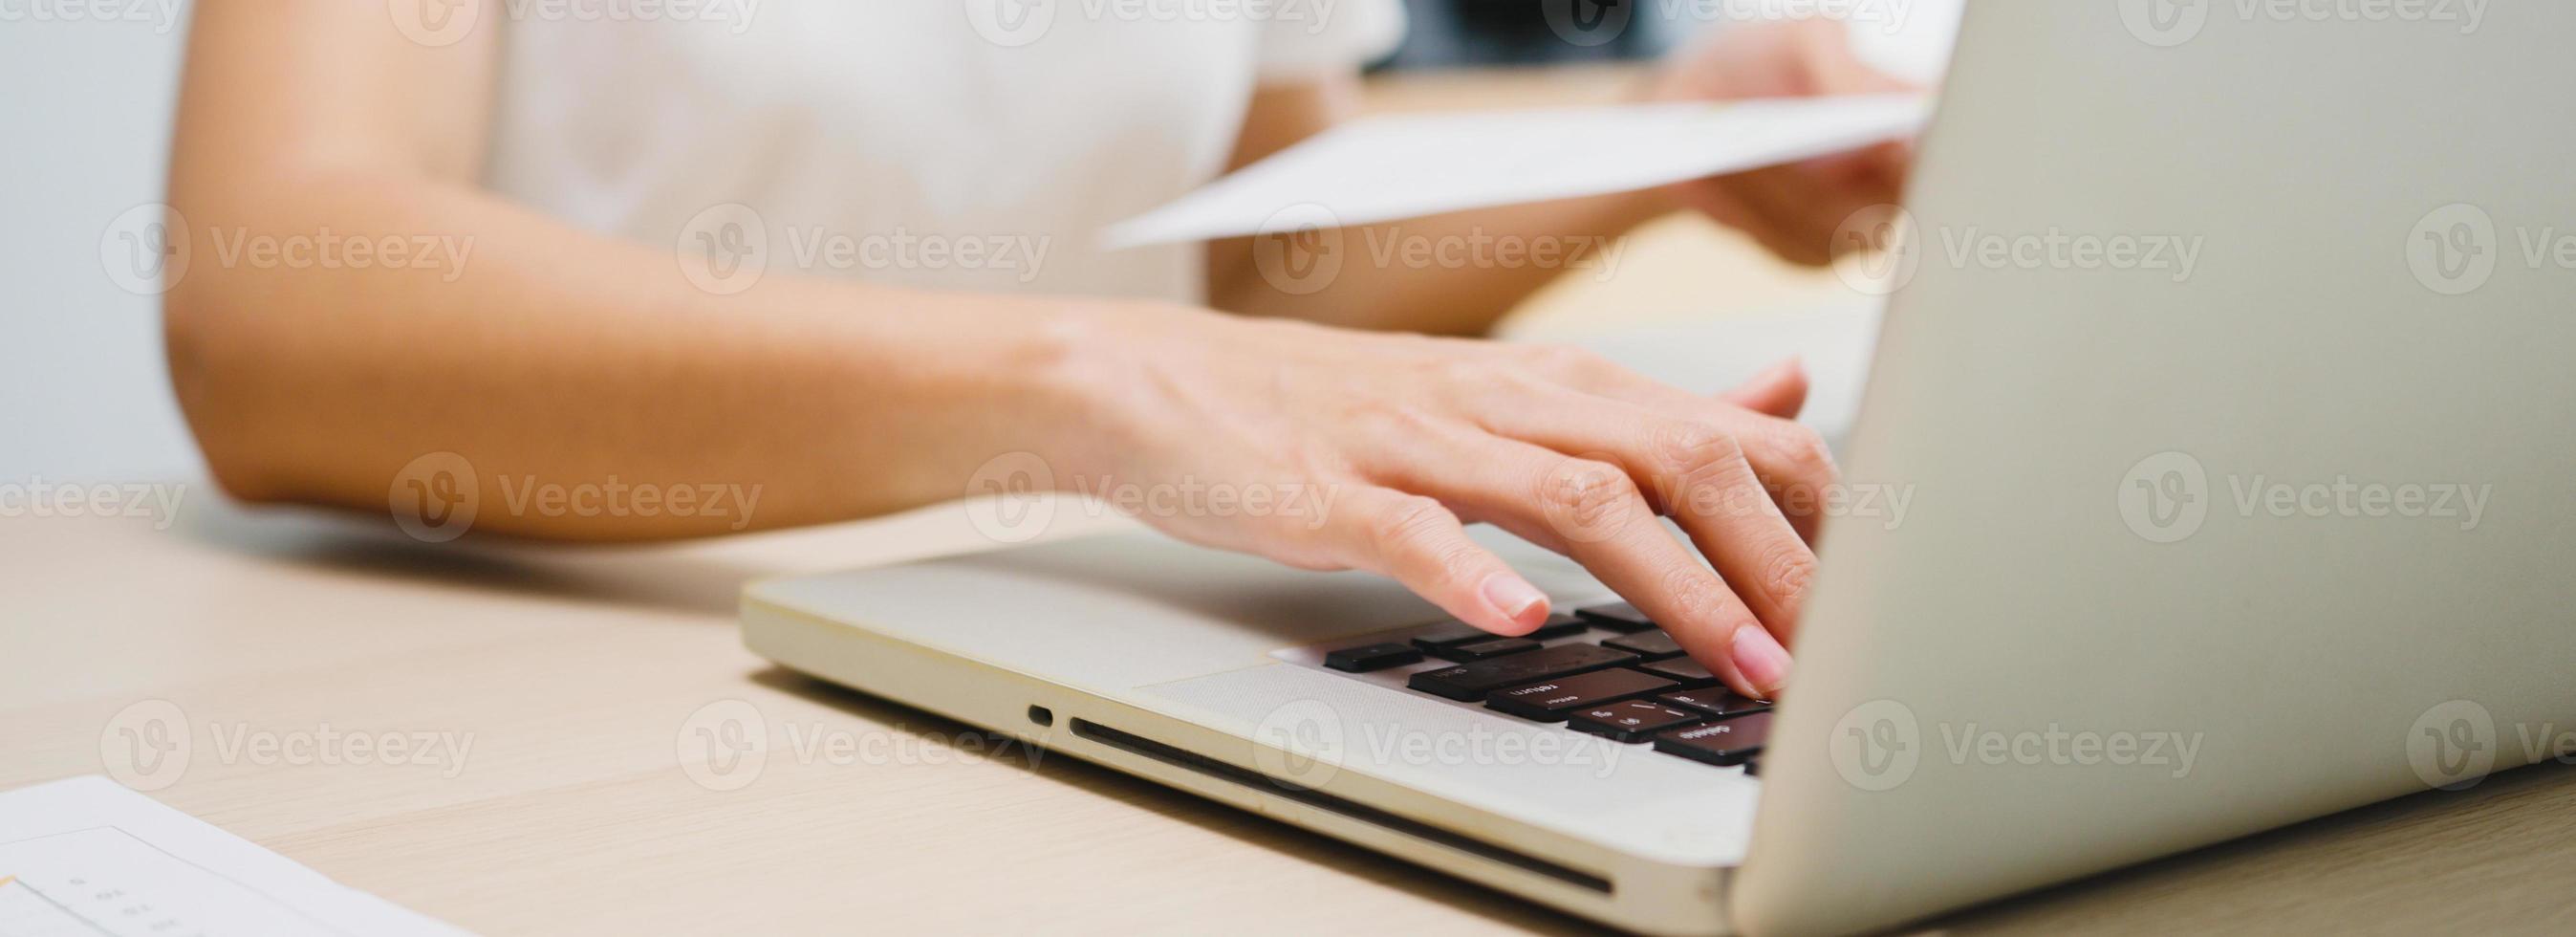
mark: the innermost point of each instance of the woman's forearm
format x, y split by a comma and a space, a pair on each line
556, 361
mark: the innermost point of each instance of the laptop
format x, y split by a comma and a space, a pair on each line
2227, 373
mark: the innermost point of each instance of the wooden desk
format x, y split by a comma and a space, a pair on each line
576, 674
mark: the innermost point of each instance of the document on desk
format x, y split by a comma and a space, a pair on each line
1407, 166
86, 857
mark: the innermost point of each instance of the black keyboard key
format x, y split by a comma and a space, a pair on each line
1451, 635
1558, 625
1470, 682
1681, 670
1481, 650
1552, 700
1732, 742
1617, 616
1372, 657
1651, 645
1715, 701
1634, 720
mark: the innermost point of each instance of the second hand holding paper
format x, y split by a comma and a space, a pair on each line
1392, 168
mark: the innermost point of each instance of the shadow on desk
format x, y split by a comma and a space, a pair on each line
1243, 827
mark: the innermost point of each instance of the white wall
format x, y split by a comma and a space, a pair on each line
85, 110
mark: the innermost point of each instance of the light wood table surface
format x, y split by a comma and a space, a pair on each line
575, 673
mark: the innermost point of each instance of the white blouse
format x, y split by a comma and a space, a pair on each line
961, 144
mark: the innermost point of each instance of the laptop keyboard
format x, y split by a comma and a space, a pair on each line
1615, 675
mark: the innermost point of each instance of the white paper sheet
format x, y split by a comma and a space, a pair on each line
87, 857
1391, 168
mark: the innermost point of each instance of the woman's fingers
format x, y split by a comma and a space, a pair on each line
1791, 460
1779, 390
1696, 473
1416, 541
1593, 512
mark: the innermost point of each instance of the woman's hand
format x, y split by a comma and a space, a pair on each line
1404, 439
1792, 210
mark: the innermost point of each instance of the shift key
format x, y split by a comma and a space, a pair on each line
1468, 683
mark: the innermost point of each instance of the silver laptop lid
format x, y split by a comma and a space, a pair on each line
2229, 381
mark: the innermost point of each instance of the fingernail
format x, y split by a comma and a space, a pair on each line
1516, 599
1761, 659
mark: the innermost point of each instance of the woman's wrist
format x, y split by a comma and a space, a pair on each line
1083, 378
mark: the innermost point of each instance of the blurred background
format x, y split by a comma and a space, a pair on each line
83, 394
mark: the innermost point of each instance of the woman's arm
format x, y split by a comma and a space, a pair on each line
548, 353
